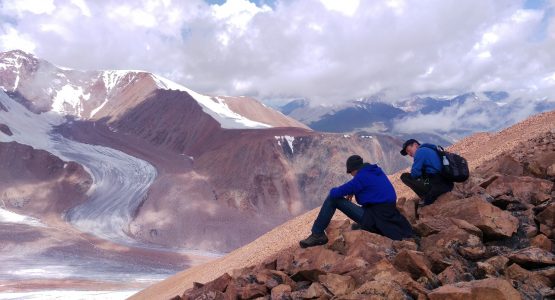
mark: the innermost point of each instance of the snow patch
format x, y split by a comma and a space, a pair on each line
72, 96
288, 139
112, 78
214, 106
7, 216
94, 111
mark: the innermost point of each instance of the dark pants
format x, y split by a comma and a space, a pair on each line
427, 188
327, 210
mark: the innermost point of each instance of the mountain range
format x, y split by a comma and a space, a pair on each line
130, 162
437, 119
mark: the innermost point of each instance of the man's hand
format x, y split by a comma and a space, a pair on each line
349, 197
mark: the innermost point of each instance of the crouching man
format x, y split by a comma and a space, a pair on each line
425, 176
377, 211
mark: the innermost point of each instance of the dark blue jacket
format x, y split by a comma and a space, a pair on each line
425, 159
370, 186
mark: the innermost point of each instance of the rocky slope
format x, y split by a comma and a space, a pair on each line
38, 183
492, 237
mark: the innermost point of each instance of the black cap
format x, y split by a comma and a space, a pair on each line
354, 162
406, 144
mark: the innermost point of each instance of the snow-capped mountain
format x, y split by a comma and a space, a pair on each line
97, 94
443, 118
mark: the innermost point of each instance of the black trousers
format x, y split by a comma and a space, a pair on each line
427, 188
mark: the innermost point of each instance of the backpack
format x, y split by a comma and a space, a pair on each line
454, 166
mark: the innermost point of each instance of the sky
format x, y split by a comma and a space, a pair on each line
328, 51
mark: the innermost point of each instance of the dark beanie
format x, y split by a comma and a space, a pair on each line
354, 162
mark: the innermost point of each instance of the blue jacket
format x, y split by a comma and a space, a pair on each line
370, 185
425, 159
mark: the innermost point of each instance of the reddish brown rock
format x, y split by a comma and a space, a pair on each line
453, 274
492, 221
249, 291
427, 226
548, 231
533, 257
415, 263
407, 207
336, 227
442, 248
369, 246
316, 290
493, 266
404, 245
524, 188
547, 216
452, 196
349, 264
273, 278
218, 285
532, 285
543, 164
550, 171
486, 182
505, 164
491, 289
318, 258
384, 289
541, 241
516, 272
363, 275
414, 288
337, 284
281, 292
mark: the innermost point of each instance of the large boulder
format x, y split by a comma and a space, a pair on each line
218, 285
318, 258
369, 246
543, 242
427, 226
446, 247
415, 263
491, 289
547, 216
523, 188
533, 257
505, 164
492, 221
338, 285
542, 165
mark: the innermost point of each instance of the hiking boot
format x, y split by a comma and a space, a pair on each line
314, 239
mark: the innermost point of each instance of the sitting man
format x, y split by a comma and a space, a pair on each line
425, 176
374, 192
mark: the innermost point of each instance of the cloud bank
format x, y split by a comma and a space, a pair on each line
327, 51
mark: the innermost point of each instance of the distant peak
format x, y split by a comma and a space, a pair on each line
15, 54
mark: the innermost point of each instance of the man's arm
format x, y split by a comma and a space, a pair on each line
349, 188
416, 170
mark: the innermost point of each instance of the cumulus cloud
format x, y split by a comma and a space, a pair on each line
475, 114
327, 51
